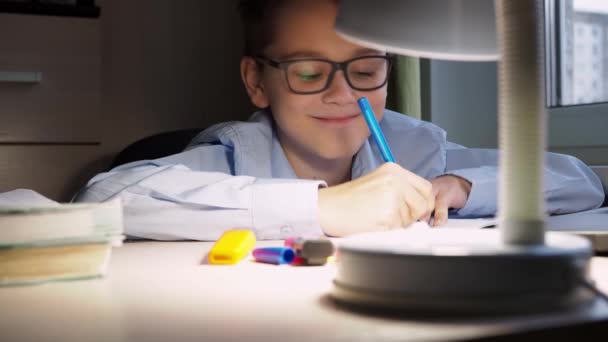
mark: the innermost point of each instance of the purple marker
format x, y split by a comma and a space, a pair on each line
274, 255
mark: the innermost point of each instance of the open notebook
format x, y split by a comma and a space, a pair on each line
470, 223
592, 224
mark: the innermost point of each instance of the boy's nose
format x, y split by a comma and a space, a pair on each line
339, 90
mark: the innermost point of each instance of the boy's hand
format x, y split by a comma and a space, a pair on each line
450, 192
387, 198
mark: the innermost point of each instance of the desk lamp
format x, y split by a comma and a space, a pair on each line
516, 268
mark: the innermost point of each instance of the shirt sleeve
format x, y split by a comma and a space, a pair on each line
173, 202
569, 185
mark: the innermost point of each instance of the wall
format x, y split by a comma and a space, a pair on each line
461, 97
169, 65
462, 101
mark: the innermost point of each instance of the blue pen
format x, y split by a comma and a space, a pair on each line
368, 114
274, 255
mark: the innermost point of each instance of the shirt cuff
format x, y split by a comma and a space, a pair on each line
482, 198
283, 208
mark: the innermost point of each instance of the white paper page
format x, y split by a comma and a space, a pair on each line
25, 198
476, 223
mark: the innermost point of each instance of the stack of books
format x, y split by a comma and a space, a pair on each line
49, 241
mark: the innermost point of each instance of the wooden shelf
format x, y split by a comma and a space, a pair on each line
90, 11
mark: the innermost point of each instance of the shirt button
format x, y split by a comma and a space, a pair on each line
286, 229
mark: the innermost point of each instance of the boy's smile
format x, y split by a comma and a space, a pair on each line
339, 120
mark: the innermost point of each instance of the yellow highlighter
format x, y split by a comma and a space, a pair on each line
231, 247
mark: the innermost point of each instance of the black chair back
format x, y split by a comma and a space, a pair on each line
156, 146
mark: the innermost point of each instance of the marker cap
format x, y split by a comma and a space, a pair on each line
274, 255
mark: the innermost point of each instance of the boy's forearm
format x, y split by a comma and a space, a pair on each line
175, 203
569, 185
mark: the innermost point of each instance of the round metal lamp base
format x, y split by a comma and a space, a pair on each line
461, 272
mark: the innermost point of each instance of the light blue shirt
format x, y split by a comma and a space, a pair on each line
236, 175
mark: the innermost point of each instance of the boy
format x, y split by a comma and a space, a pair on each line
305, 164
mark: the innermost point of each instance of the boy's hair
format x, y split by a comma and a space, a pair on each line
258, 21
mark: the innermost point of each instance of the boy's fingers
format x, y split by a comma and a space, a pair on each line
427, 218
421, 185
441, 211
406, 216
418, 205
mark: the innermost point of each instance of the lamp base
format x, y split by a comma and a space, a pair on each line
462, 272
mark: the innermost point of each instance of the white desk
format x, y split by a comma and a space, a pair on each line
161, 291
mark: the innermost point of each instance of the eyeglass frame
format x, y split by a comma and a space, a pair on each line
335, 66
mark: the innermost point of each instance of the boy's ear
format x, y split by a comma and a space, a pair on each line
251, 74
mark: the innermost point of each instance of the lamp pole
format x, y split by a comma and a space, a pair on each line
522, 121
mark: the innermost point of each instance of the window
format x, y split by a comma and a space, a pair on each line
577, 78
578, 43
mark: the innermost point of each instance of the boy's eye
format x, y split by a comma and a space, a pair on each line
364, 74
308, 76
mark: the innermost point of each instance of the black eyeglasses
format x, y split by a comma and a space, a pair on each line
314, 75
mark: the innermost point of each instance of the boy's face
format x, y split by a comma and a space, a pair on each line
326, 125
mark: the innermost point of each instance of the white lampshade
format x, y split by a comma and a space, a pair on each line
463, 30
